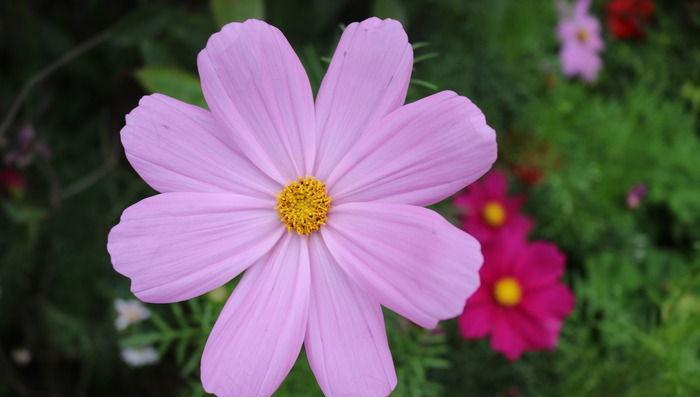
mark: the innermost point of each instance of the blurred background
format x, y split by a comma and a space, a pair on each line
609, 169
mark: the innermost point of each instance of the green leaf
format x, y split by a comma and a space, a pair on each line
424, 57
160, 323
172, 82
424, 84
22, 213
140, 340
179, 315
226, 11
312, 63
420, 44
156, 53
196, 308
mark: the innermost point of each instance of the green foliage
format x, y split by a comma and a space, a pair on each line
642, 318
226, 11
393, 9
638, 138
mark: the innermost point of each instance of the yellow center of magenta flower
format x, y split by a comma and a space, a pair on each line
303, 205
582, 35
494, 214
507, 292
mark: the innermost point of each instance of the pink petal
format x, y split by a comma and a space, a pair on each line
367, 78
259, 334
175, 246
256, 86
345, 341
174, 147
408, 258
418, 154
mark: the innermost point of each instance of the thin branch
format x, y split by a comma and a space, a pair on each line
46, 72
88, 180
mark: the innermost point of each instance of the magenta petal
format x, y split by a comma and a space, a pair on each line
346, 341
505, 337
419, 154
259, 334
495, 185
174, 147
476, 320
408, 258
552, 301
256, 86
175, 246
533, 330
540, 264
367, 78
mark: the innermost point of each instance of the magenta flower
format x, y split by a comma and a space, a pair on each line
581, 41
319, 203
488, 211
521, 303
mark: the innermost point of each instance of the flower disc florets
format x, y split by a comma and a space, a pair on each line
303, 205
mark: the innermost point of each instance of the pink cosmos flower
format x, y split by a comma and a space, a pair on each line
320, 203
521, 303
488, 210
581, 41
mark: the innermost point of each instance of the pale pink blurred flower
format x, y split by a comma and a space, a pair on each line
139, 356
320, 202
129, 312
581, 41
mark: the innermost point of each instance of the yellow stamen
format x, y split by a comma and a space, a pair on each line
303, 205
494, 214
582, 36
507, 292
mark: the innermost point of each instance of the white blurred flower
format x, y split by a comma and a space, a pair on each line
129, 312
21, 356
139, 356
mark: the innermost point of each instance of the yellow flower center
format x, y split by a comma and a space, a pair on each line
494, 214
303, 205
582, 35
507, 292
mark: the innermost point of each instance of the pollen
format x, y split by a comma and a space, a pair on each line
507, 292
303, 205
494, 214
